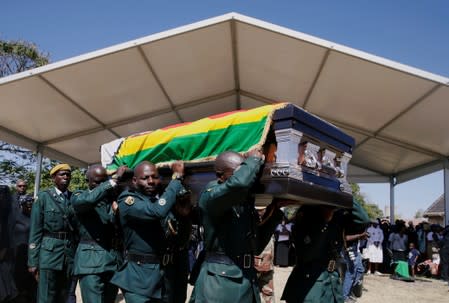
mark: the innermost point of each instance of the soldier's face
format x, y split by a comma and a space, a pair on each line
62, 179
97, 177
147, 180
233, 164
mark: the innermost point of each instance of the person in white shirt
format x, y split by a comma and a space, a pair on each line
374, 247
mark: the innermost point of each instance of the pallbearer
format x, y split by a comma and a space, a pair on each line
141, 213
232, 236
99, 252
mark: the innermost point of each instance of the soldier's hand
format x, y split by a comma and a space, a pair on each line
177, 167
363, 235
120, 172
35, 272
255, 153
114, 207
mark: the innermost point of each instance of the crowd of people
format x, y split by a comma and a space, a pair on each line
424, 248
131, 233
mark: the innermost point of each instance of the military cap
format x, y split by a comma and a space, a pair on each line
62, 166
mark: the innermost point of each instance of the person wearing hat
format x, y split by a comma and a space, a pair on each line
52, 241
232, 233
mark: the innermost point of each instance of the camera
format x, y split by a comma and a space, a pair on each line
351, 253
25, 199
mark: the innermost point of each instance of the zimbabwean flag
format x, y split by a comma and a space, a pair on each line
197, 141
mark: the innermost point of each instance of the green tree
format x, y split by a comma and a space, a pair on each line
419, 213
19, 56
17, 162
372, 209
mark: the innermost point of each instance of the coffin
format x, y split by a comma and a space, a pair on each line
306, 157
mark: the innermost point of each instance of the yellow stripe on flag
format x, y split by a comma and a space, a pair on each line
134, 144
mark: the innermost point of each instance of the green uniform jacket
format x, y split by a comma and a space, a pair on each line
97, 232
46, 252
140, 218
230, 226
316, 243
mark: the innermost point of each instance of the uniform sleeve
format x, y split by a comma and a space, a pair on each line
86, 200
359, 215
36, 230
141, 209
222, 197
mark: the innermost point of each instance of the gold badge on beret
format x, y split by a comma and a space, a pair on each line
129, 200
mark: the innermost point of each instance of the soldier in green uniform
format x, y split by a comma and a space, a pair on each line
177, 227
318, 236
98, 254
51, 242
232, 235
141, 277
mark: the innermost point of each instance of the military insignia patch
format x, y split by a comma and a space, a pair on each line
32, 245
129, 200
162, 202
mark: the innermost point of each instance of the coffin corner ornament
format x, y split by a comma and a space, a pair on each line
306, 157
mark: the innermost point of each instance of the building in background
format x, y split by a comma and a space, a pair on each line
435, 212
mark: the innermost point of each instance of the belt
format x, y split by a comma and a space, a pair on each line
113, 244
62, 235
244, 261
143, 258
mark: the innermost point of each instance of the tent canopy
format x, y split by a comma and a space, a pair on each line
67, 109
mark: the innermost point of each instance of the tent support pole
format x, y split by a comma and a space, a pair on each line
392, 185
37, 178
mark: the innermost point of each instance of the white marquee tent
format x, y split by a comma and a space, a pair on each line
396, 113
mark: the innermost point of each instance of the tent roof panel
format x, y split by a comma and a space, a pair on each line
97, 86
28, 107
247, 103
394, 111
387, 158
426, 124
207, 109
138, 126
76, 146
195, 64
368, 95
282, 69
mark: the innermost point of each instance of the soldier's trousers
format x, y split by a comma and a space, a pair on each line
53, 286
96, 288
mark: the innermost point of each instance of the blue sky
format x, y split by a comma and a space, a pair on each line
410, 32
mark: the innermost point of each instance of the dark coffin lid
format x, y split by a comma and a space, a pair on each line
294, 117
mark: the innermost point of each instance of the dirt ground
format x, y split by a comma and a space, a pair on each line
378, 289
